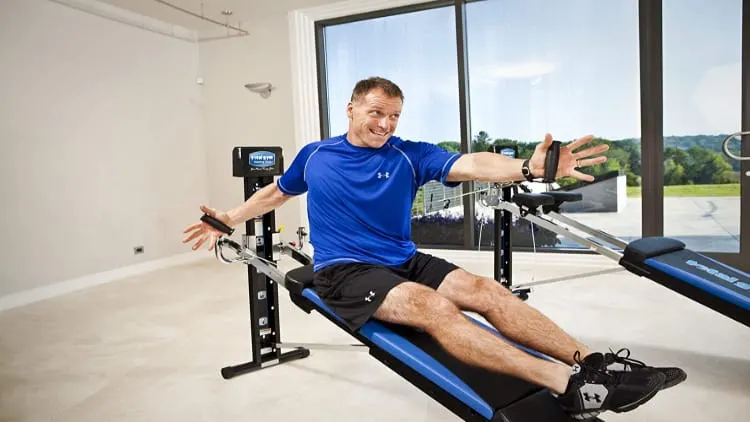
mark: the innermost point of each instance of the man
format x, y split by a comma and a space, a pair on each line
360, 188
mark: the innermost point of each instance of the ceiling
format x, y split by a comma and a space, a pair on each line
242, 10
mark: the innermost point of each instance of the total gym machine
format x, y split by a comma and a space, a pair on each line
258, 166
470, 392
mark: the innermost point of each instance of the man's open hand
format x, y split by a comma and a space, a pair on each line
569, 160
203, 232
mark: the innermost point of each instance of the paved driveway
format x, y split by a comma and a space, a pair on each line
703, 223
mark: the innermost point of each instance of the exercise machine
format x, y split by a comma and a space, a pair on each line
664, 260
502, 238
472, 393
258, 166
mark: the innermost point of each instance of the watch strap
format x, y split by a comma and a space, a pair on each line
526, 170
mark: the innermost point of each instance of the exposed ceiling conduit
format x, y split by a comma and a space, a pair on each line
226, 25
115, 14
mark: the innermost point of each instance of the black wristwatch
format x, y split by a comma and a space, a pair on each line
526, 171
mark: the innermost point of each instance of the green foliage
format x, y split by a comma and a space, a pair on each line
481, 142
697, 165
450, 146
674, 172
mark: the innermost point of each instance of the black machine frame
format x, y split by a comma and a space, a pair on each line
263, 292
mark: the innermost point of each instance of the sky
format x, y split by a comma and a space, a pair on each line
568, 67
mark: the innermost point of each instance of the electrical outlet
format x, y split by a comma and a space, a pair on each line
138, 250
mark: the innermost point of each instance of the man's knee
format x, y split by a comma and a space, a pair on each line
416, 305
465, 287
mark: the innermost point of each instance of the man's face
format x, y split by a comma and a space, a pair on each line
373, 119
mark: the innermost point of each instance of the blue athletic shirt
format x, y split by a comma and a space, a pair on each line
359, 199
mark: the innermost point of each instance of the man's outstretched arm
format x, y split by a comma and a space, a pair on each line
491, 167
263, 201
488, 167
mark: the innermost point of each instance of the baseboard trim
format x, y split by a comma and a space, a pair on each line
26, 297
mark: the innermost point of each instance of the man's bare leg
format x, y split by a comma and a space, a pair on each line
511, 316
419, 306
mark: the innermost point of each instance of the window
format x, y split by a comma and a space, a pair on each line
539, 67
702, 105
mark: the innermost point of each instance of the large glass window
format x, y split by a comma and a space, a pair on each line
568, 68
418, 52
702, 105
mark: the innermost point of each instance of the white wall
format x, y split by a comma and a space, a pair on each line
101, 144
235, 116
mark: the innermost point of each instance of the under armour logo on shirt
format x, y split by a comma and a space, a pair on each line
384, 175
369, 297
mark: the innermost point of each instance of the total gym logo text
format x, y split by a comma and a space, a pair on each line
719, 274
262, 159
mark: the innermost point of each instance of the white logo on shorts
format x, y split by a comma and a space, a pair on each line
369, 297
382, 175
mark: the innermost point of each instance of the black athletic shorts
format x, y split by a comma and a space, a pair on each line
354, 291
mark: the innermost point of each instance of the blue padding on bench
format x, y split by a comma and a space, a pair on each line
708, 286
415, 358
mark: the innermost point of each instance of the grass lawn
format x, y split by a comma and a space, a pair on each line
732, 189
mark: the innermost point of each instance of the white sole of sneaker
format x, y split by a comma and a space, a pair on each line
586, 416
634, 405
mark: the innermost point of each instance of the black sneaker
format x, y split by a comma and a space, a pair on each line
593, 390
621, 361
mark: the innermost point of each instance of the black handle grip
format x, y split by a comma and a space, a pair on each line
217, 224
551, 161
